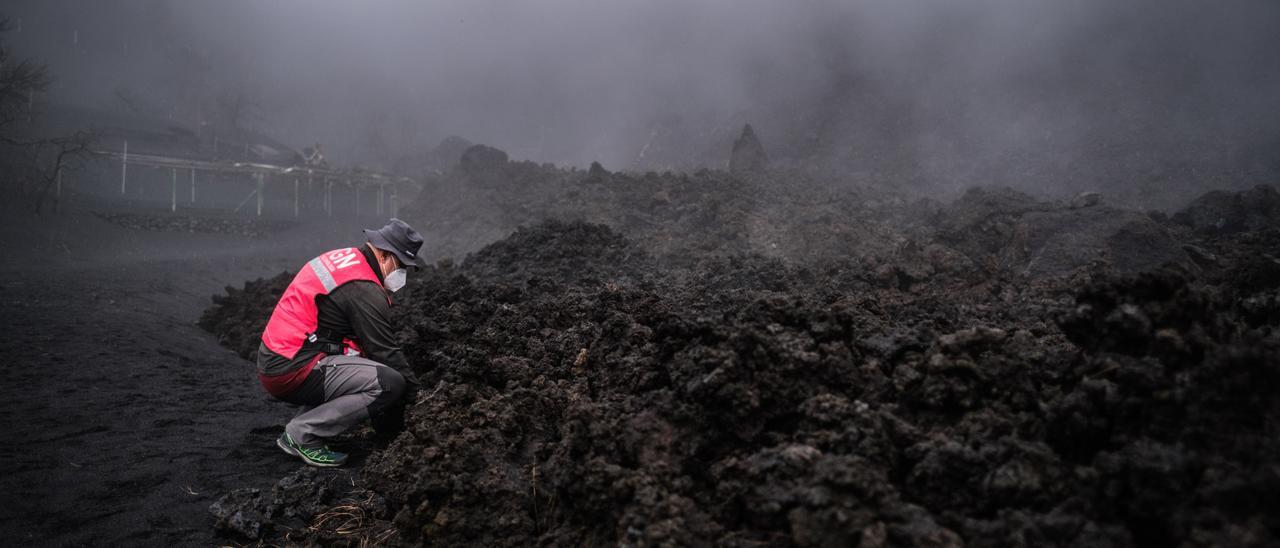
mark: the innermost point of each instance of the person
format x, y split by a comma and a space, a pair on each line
330, 347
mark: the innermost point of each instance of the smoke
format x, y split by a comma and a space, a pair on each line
1078, 94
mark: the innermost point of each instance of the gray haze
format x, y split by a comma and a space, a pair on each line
1077, 93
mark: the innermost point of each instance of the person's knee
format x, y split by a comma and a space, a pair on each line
392, 385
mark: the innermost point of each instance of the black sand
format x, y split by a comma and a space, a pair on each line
124, 420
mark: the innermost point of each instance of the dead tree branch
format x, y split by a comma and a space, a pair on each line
20, 82
66, 154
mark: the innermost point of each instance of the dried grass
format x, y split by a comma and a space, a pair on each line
352, 521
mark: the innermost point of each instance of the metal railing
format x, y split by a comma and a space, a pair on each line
263, 174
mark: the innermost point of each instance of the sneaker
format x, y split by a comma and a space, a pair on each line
315, 456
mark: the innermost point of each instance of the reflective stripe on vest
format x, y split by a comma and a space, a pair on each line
295, 315
326, 279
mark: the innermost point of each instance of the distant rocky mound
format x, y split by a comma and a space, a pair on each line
1056, 242
482, 159
1039, 239
1221, 211
597, 171
748, 154
449, 152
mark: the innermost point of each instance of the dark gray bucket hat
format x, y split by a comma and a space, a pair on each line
400, 239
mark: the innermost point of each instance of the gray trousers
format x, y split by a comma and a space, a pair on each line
354, 389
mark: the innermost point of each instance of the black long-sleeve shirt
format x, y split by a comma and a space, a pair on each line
357, 310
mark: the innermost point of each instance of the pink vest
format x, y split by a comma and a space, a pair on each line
296, 316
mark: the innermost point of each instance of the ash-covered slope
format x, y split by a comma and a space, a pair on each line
579, 390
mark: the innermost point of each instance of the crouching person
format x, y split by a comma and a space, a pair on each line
330, 347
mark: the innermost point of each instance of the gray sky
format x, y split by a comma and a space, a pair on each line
965, 91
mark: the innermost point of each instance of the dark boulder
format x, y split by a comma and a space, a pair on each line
482, 159
1085, 199
449, 152
597, 171
1041, 239
1056, 242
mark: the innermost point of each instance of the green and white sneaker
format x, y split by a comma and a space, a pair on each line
315, 456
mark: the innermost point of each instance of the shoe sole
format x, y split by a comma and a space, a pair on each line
322, 464
285, 447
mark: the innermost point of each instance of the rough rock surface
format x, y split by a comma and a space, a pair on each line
1013, 231
1228, 212
580, 390
239, 316
291, 504
1056, 242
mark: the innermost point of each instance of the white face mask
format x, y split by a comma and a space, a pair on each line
396, 279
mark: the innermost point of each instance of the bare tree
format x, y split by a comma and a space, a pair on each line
39, 165
36, 162
20, 82
65, 154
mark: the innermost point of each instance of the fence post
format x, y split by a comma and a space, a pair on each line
173, 189
124, 167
